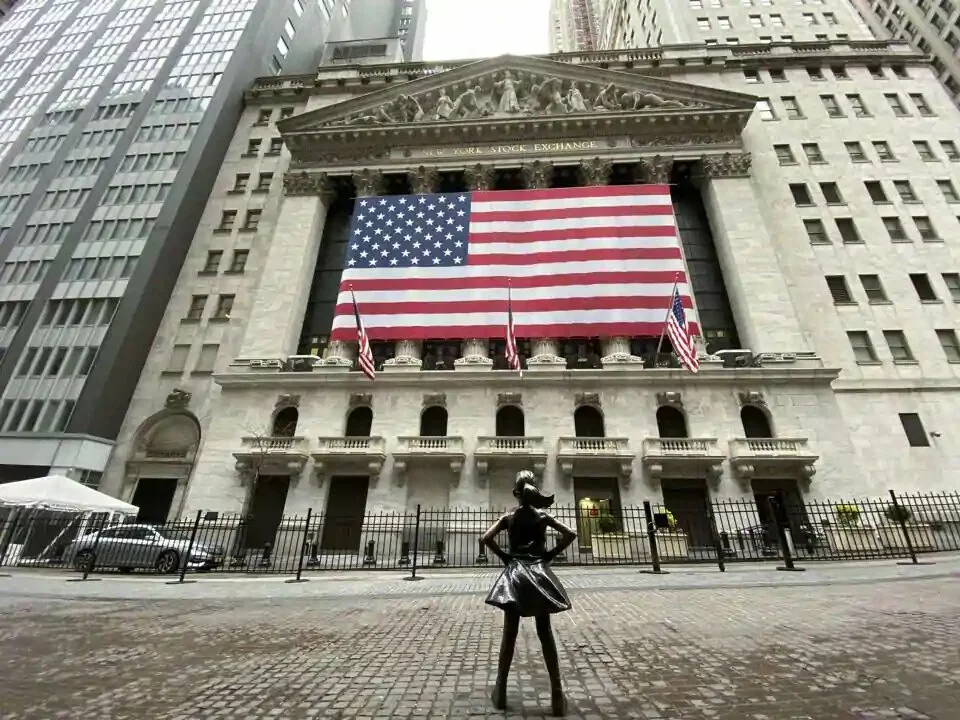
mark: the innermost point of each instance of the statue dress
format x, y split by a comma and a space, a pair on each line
508, 95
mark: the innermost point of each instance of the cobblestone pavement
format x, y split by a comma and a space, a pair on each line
867, 650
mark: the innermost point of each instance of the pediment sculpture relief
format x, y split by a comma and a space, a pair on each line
508, 94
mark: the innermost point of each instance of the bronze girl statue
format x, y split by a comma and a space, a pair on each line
527, 586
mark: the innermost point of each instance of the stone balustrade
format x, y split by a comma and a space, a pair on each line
270, 444
350, 445
502, 445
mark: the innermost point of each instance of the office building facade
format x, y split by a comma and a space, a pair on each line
114, 118
402, 19
574, 24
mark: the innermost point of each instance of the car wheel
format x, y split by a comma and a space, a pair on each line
168, 562
84, 561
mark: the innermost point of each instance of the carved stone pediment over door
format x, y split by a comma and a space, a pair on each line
513, 97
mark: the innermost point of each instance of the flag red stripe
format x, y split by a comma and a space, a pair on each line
473, 283
573, 330
584, 211
371, 309
564, 193
607, 254
583, 233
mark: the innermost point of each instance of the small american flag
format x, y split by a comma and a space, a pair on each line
680, 336
364, 353
582, 262
513, 357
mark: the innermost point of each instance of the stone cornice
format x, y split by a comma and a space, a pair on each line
302, 183
728, 165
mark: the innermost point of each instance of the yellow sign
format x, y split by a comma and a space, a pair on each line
513, 148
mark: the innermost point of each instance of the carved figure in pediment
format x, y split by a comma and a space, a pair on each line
638, 99
607, 99
408, 109
466, 105
444, 107
546, 97
575, 99
508, 94
383, 114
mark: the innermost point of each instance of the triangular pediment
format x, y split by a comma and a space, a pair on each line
513, 88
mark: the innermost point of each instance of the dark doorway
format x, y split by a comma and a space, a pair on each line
755, 422
266, 509
343, 519
433, 422
510, 422
781, 499
671, 423
359, 422
687, 500
154, 496
588, 422
285, 422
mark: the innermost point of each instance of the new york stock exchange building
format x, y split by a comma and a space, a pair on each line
248, 406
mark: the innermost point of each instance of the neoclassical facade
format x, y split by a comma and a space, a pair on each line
787, 403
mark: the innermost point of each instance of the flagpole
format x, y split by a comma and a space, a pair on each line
673, 293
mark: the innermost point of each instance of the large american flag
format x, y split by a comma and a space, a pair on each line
582, 262
678, 330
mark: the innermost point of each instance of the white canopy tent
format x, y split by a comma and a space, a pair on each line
60, 493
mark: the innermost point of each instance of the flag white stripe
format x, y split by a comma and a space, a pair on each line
542, 270
540, 246
520, 319
625, 201
478, 227
637, 290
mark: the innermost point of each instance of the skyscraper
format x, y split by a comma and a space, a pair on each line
403, 19
574, 25
930, 27
114, 116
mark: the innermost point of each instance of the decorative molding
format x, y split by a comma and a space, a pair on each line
303, 183
686, 139
435, 400
423, 179
510, 398
537, 174
360, 400
656, 170
479, 176
670, 398
728, 165
595, 171
288, 401
714, 472
752, 397
367, 182
587, 398
178, 400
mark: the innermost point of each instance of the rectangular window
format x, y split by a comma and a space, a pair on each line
264, 182
276, 145
765, 110
816, 232
883, 150
784, 155
848, 230
227, 220
264, 117
801, 195
239, 261
831, 193
703, 23
282, 47
813, 153
925, 228
207, 360
837, 284
792, 108
197, 304
920, 103
950, 150
952, 281
831, 105
897, 343
924, 150
859, 107
896, 104
921, 283
286, 112
178, 358
839, 72
914, 430
863, 351
815, 73
240, 183
224, 307
213, 261
950, 345
948, 191
894, 228
751, 76
252, 220
875, 191
873, 289
905, 191
856, 153
253, 146
876, 72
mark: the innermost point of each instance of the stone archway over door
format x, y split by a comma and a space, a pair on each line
162, 464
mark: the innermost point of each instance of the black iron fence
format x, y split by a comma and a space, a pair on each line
775, 527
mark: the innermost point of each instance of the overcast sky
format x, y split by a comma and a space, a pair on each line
483, 28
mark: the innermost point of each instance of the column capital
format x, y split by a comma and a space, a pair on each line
479, 176
728, 165
656, 170
537, 174
303, 183
367, 182
423, 179
596, 171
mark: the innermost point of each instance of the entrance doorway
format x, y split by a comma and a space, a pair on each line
343, 519
687, 500
266, 510
784, 497
154, 497
598, 508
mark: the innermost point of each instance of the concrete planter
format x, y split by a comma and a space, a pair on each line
852, 539
672, 543
921, 536
617, 546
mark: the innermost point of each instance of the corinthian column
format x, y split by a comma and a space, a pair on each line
475, 352
406, 356
656, 170
423, 179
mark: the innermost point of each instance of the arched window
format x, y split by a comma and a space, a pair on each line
285, 422
510, 422
433, 422
671, 423
588, 422
755, 422
359, 422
